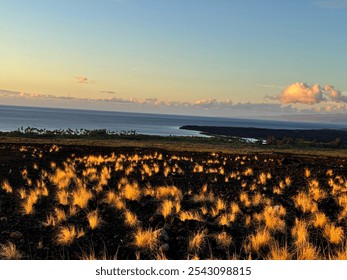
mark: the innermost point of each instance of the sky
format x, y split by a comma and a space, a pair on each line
193, 57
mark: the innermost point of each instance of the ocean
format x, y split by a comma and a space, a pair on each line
15, 117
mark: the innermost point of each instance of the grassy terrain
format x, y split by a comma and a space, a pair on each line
117, 202
172, 143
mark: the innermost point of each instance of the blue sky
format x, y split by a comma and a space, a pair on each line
184, 56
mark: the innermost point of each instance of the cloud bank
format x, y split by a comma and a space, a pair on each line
296, 98
210, 106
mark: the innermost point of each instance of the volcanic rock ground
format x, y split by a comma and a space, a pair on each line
113, 239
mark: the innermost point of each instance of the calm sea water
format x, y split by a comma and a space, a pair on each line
13, 117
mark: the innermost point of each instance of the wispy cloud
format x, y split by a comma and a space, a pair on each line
301, 93
332, 4
108, 91
83, 80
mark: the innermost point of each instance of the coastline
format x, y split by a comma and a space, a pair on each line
319, 135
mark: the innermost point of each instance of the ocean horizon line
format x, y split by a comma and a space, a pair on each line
13, 117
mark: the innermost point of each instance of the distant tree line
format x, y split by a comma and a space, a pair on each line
33, 131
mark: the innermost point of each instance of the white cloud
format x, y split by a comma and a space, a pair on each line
301, 93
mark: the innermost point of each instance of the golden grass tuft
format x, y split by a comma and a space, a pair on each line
66, 235
168, 191
166, 208
341, 253
22, 193
244, 199
62, 197
304, 202
256, 199
319, 220
272, 217
28, 203
342, 200
73, 210
307, 252
6, 186
81, 197
307, 172
334, 234
220, 205
62, 177
132, 192
9, 251
204, 210
60, 215
114, 200
248, 172
234, 208
224, 220
130, 218
300, 232
223, 239
203, 197
197, 240
262, 178
279, 253
189, 215
146, 239
260, 239
94, 219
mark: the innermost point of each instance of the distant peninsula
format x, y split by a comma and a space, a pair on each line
319, 135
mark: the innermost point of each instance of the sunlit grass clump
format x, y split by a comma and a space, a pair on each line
197, 240
146, 239
81, 197
66, 235
9, 251
94, 219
